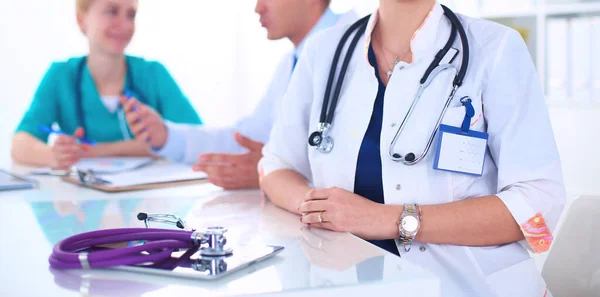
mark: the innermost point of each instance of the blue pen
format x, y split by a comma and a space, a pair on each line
46, 129
128, 94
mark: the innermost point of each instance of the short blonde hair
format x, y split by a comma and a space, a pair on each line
83, 5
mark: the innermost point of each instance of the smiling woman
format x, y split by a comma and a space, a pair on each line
83, 94
115, 41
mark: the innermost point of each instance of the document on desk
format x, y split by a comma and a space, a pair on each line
104, 165
157, 173
113, 165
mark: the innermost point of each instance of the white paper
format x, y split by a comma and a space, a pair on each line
158, 173
101, 165
462, 153
112, 165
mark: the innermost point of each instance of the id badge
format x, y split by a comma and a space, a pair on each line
460, 152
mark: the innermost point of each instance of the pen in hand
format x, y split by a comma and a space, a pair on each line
134, 108
49, 130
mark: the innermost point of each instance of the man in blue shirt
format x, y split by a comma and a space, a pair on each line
230, 155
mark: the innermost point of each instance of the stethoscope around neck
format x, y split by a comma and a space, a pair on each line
130, 92
321, 139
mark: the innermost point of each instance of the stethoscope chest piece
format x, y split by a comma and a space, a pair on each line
320, 139
215, 239
212, 265
210, 242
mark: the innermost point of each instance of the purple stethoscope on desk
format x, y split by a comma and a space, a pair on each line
76, 252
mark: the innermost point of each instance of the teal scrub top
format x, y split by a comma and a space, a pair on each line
54, 100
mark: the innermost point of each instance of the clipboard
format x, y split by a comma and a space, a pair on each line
10, 181
110, 189
103, 165
151, 177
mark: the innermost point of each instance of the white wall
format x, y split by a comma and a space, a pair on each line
576, 131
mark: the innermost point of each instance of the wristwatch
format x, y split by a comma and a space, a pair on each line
408, 225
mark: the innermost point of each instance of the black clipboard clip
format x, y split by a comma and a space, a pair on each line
85, 177
88, 177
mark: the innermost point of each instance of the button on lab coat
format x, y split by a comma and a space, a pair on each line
522, 163
186, 142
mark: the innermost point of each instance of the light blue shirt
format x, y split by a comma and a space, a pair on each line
327, 20
186, 142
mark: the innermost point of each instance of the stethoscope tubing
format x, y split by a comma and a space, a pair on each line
158, 243
123, 126
325, 143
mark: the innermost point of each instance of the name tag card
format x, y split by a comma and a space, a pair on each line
460, 152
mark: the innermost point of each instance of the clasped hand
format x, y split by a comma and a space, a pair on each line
344, 211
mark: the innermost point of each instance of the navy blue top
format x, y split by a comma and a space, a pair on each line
368, 181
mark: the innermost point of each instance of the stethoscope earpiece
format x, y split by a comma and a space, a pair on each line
408, 159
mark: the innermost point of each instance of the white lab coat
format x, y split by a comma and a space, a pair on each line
522, 164
186, 142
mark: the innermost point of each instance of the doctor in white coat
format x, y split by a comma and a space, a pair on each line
230, 155
472, 228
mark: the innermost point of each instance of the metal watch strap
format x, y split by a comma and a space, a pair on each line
407, 239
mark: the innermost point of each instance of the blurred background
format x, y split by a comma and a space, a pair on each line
225, 72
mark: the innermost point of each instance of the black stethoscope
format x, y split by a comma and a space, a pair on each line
324, 142
130, 92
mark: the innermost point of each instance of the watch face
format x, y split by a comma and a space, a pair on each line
410, 224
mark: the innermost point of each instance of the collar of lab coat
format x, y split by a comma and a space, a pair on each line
328, 19
423, 38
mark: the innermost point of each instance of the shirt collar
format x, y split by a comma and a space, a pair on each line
423, 38
327, 20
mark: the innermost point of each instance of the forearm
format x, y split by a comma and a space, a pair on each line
286, 189
130, 148
29, 150
483, 221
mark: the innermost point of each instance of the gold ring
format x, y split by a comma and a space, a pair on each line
320, 217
